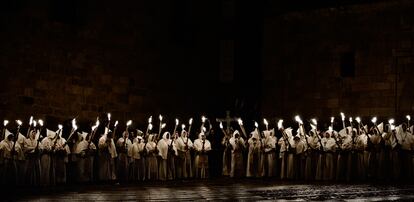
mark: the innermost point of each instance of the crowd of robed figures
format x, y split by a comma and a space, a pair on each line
355, 153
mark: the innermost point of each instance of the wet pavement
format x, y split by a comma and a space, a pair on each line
220, 189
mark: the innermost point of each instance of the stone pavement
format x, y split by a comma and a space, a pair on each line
219, 189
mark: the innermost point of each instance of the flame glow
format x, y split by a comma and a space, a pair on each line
203, 119
204, 129
34, 123
256, 124
408, 117
109, 116
314, 122
350, 119
163, 125
190, 121
150, 119
330, 128
40, 121
19, 122
342, 116
177, 122
297, 119
265, 122
374, 119
280, 124
60, 126
74, 123
240, 121
391, 121
332, 119
221, 125
116, 123
31, 120
5, 122
358, 119
150, 126
129, 123
160, 117
183, 126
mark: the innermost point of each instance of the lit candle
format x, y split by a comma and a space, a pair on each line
343, 119
190, 123
280, 124
176, 125
266, 124
391, 122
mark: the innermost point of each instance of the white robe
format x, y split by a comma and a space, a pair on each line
162, 147
137, 172
254, 167
32, 173
107, 154
237, 161
270, 154
151, 160
124, 154
329, 169
201, 159
85, 158
9, 170
184, 145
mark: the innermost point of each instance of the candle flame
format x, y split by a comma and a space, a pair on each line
190, 121
19, 122
74, 123
31, 120
280, 124
40, 122
314, 122
342, 116
163, 125
34, 123
203, 119
150, 126
240, 121
160, 117
221, 125
408, 117
109, 116
5, 122
350, 119
150, 119
60, 126
330, 128
391, 121
256, 124
183, 126
297, 119
332, 119
374, 119
129, 123
204, 129
116, 123
358, 119
265, 122
177, 122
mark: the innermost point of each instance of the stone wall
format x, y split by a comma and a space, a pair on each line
304, 52
60, 59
